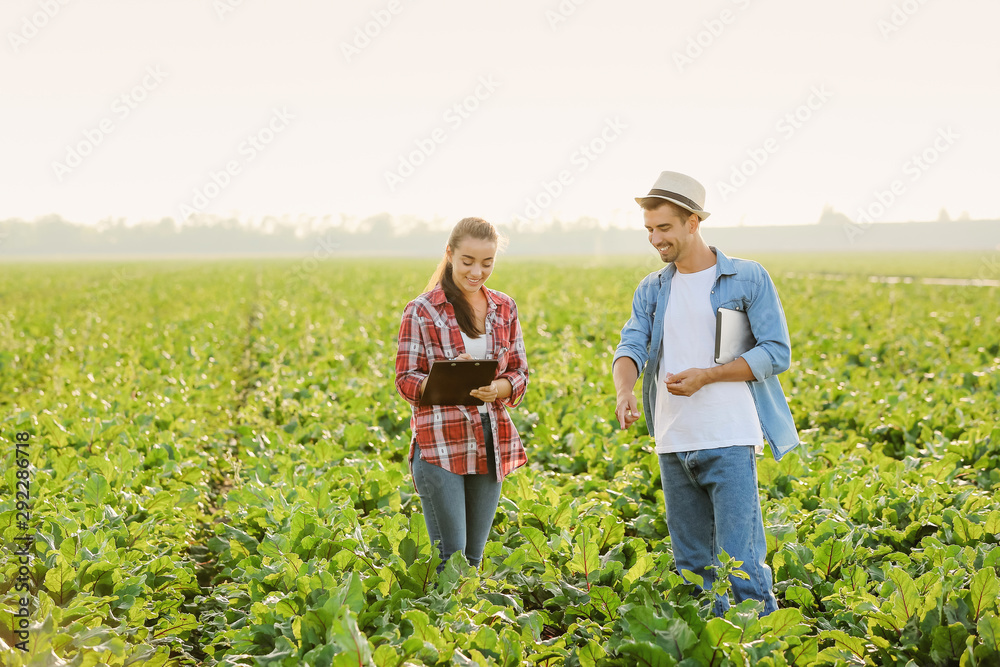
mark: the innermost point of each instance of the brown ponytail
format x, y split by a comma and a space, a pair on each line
476, 228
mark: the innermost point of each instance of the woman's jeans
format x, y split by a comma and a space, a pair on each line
712, 504
459, 509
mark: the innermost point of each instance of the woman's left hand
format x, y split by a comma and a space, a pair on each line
487, 394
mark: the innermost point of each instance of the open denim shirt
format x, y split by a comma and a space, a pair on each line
740, 284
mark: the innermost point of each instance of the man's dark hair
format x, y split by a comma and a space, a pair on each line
653, 203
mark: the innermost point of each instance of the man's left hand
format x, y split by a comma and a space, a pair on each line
686, 382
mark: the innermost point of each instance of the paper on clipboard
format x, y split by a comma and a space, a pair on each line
450, 382
733, 336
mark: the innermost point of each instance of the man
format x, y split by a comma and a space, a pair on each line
708, 420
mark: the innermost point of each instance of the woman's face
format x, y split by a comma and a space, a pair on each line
472, 263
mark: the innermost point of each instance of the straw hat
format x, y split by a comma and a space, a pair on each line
682, 190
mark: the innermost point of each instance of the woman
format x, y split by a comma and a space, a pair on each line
459, 455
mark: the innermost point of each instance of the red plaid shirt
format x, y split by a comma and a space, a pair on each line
451, 436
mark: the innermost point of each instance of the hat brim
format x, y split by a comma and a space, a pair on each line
701, 214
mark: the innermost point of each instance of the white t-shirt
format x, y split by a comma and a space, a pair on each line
476, 348
721, 414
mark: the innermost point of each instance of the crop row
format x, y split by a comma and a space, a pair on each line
220, 478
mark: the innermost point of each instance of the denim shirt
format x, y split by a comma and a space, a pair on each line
740, 284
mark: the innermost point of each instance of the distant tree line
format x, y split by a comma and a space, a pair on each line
52, 236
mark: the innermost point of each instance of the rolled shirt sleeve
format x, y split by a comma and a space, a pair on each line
637, 332
517, 363
773, 352
411, 358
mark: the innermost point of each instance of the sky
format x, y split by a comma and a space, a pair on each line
320, 112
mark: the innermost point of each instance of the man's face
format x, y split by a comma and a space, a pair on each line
668, 232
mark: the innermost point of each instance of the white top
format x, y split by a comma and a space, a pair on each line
721, 414
476, 348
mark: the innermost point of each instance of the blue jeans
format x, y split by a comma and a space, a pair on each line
459, 509
712, 504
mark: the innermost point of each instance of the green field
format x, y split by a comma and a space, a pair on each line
218, 476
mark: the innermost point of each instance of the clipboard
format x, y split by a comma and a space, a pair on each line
733, 336
450, 382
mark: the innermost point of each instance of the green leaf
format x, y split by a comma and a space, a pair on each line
677, 637
989, 634
422, 628
801, 596
828, 556
992, 523
354, 646
966, 531
641, 624
95, 490
386, 656
721, 631
907, 594
420, 575
985, 588
175, 625
61, 582
351, 593
590, 653
605, 601
693, 578
948, 643
714, 640
163, 501
845, 644
562, 516
612, 532
416, 543
744, 617
803, 651
646, 655
68, 549
586, 560
55, 432
643, 564
785, 622
539, 551
283, 648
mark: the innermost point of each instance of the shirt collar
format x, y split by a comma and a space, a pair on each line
723, 266
437, 297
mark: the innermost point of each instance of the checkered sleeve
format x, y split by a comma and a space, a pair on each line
517, 361
412, 365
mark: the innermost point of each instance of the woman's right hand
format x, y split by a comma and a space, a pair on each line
423, 385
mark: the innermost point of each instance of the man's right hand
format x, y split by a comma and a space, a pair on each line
627, 410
